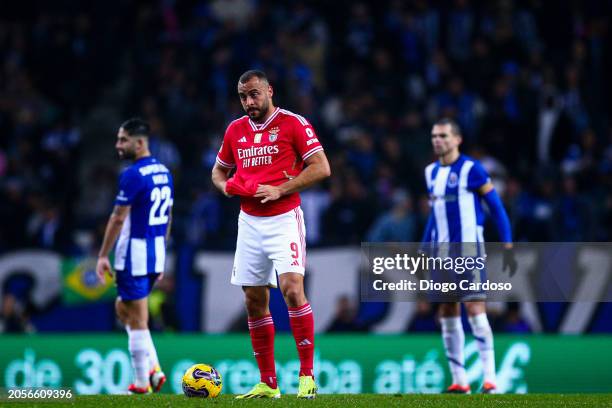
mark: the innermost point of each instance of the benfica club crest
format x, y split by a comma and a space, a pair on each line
273, 134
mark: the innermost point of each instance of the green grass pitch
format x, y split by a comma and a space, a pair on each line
331, 401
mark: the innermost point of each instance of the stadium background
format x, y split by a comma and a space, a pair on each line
525, 79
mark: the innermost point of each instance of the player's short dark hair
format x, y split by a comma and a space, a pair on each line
455, 128
136, 127
253, 73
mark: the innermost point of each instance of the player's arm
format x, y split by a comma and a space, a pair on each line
169, 227
426, 245
113, 228
427, 234
224, 163
317, 169
427, 238
167, 238
220, 175
498, 212
480, 182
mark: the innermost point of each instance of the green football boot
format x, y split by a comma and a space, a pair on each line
261, 390
307, 388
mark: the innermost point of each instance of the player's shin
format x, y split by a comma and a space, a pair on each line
139, 353
484, 338
454, 339
262, 338
153, 359
302, 326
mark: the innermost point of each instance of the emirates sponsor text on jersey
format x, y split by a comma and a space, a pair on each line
257, 155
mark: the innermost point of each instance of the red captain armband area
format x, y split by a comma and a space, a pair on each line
245, 188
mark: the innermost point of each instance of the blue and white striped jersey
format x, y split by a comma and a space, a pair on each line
147, 187
456, 208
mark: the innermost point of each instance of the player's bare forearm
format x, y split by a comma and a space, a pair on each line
219, 177
113, 228
169, 227
317, 169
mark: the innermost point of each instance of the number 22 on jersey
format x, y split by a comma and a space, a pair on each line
161, 199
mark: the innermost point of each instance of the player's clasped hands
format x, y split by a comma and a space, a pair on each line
102, 267
269, 193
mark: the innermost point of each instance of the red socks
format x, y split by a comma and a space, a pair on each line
262, 339
302, 326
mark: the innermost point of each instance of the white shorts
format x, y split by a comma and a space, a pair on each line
267, 246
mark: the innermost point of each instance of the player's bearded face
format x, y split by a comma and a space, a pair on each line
255, 98
127, 153
257, 113
125, 146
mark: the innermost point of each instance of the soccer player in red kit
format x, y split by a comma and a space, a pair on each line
276, 154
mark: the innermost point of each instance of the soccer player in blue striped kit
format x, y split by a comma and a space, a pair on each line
457, 185
140, 223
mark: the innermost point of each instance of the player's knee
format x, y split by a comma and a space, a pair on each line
255, 305
294, 295
136, 322
135, 317
475, 308
449, 310
120, 311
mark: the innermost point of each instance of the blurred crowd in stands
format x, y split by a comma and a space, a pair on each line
525, 79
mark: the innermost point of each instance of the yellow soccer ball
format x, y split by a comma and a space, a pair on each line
202, 380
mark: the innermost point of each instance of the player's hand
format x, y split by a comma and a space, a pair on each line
269, 193
509, 261
103, 267
225, 190
159, 277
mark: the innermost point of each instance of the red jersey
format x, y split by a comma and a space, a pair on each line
266, 154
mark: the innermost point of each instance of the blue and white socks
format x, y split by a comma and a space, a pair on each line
484, 338
139, 353
454, 339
